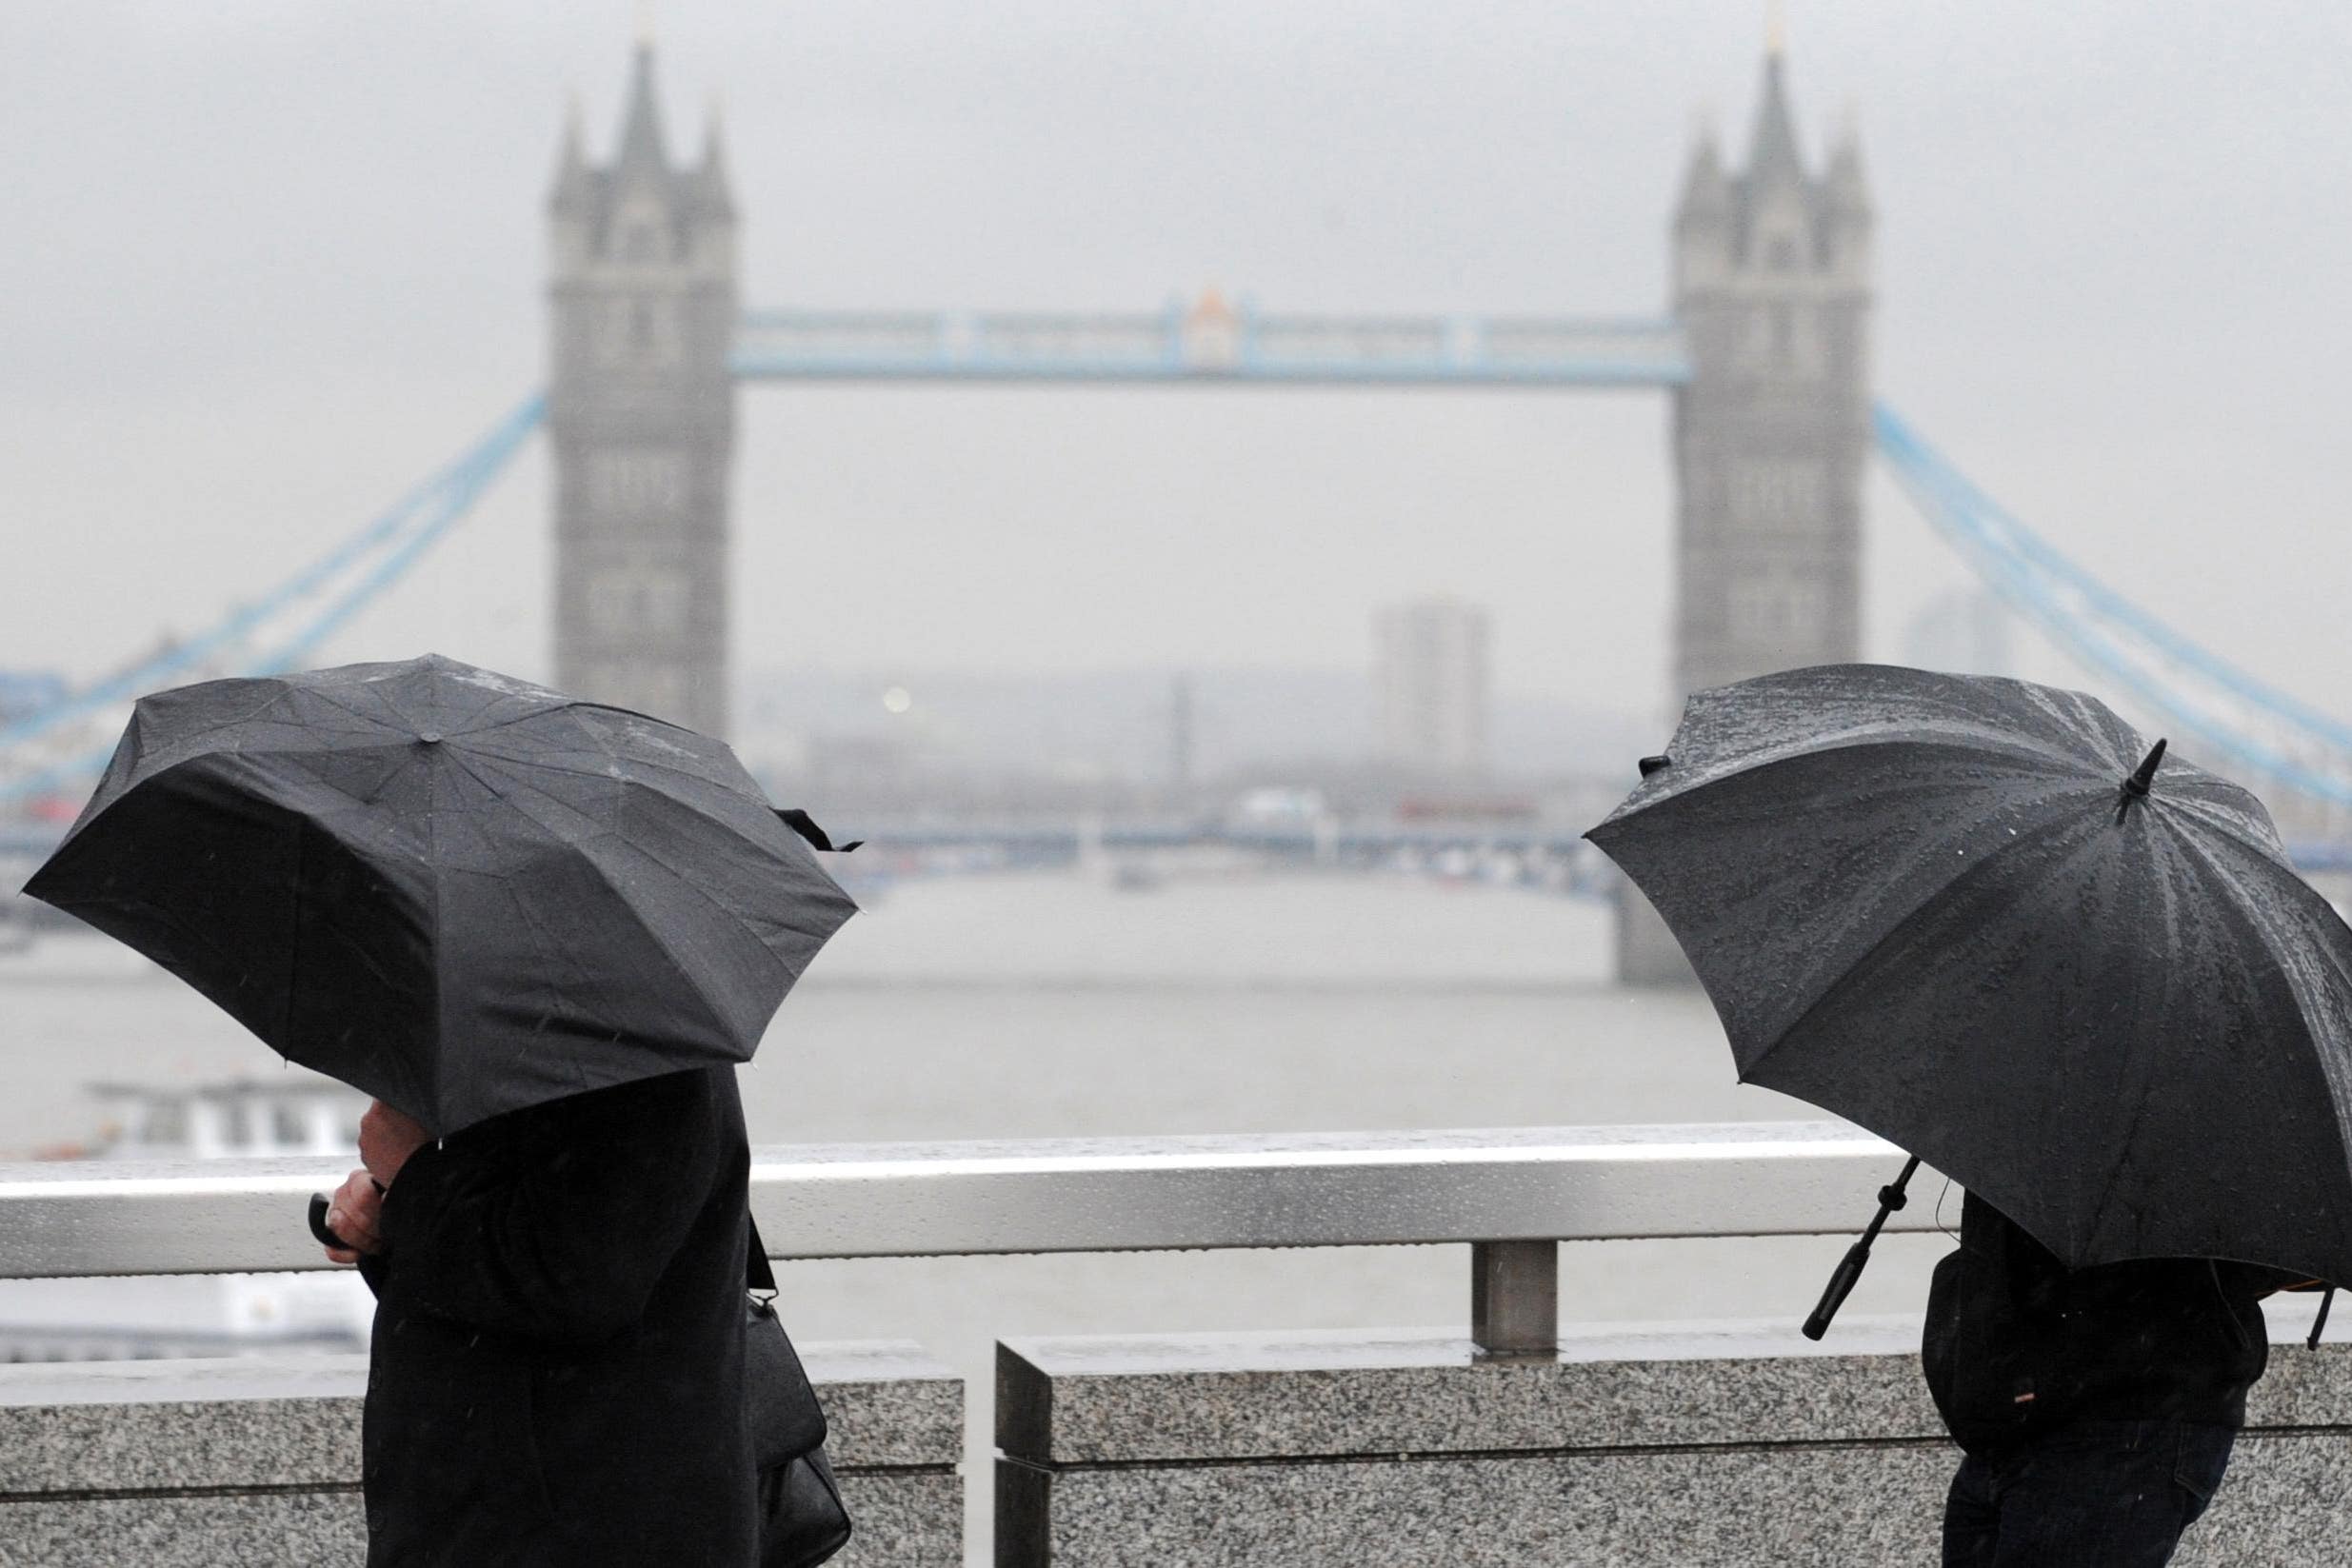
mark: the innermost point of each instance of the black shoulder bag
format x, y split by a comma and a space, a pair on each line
802, 1522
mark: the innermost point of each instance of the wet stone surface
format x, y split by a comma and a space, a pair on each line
1096, 1400
1710, 1446
276, 1445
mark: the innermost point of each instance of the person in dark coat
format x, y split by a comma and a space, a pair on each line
556, 1376
2097, 1407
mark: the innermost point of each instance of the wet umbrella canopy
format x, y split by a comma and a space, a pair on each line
1988, 921
459, 892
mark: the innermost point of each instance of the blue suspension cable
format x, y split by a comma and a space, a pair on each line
478, 469
1905, 449
441, 501
154, 672
2021, 569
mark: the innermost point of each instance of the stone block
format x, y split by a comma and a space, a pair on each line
232, 1530
1690, 1446
255, 1462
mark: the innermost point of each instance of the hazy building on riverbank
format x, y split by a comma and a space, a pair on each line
1434, 686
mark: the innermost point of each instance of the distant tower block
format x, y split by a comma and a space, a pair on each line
641, 412
1433, 681
1772, 289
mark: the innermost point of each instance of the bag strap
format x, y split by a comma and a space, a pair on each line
757, 1275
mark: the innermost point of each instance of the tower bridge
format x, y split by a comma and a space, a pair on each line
1765, 358
1762, 356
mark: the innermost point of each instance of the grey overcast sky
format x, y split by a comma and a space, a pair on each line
270, 261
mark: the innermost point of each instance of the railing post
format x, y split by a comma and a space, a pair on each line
1515, 1301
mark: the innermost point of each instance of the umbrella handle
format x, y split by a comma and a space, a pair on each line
1841, 1283
1858, 1255
319, 1227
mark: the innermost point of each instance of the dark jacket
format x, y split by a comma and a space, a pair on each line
557, 1370
2018, 1343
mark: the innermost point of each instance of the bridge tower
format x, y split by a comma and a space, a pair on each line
641, 415
1772, 279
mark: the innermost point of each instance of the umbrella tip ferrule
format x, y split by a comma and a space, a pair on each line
429, 737
2135, 787
1652, 765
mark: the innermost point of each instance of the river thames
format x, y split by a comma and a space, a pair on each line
1060, 1005
1026, 1005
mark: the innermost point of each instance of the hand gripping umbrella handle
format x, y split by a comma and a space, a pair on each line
1858, 1255
322, 1230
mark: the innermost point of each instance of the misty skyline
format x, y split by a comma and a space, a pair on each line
277, 264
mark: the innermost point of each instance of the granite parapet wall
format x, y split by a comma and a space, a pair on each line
1694, 1447
254, 1464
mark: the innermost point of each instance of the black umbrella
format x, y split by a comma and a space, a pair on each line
459, 892
1986, 921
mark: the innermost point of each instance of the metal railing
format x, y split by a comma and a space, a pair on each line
1509, 1193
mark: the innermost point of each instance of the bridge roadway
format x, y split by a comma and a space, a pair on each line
1209, 345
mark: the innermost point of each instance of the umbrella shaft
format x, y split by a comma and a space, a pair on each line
1858, 1255
1890, 1198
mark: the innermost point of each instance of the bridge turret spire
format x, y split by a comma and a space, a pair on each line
575, 185
1703, 221
642, 148
1847, 215
710, 186
1774, 157
1706, 190
1843, 181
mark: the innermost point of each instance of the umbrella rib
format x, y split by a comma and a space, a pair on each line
294, 926
694, 886
1895, 928
385, 696
2227, 825
521, 785
2089, 1225
668, 953
2072, 774
216, 726
605, 740
722, 790
632, 761
462, 723
541, 711
1977, 749
550, 944
661, 944
340, 707
2340, 1091
547, 989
